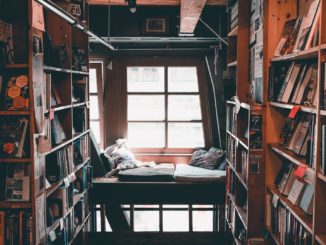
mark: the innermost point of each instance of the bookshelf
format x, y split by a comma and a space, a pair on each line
51, 204
278, 112
245, 192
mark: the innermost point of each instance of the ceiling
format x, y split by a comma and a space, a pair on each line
153, 2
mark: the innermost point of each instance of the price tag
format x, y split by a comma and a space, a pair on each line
66, 182
275, 200
72, 177
294, 111
52, 236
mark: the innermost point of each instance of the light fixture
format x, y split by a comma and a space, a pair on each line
72, 21
132, 5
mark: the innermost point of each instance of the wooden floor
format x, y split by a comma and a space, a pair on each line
143, 238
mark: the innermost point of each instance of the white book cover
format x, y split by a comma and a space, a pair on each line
296, 192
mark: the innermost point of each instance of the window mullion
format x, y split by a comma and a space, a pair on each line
166, 105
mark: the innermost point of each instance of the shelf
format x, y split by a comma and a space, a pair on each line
273, 236
290, 155
241, 212
79, 104
67, 142
323, 46
302, 217
15, 160
14, 113
321, 239
16, 66
233, 64
15, 205
57, 69
61, 108
233, 32
80, 227
58, 184
238, 175
323, 112
299, 55
240, 140
290, 106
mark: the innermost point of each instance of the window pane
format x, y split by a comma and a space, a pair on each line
145, 79
146, 135
202, 220
185, 135
93, 112
95, 127
182, 79
184, 107
145, 107
175, 221
92, 81
146, 221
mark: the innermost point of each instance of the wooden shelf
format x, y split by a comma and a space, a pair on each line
240, 140
57, 69
15, 205
79, 104
67, 142
290, 155
302, 217
14, 113
16, 66
241, 212
299, 55
273, 236
238, 175
15, 160
61, 108
290, 106
233, 64
321, 239
233, 32
80, 227
323, 112
323, 46
322, 177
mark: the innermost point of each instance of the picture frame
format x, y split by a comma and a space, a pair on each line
155, 25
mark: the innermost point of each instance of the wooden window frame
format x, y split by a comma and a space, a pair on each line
99, 66
202, 95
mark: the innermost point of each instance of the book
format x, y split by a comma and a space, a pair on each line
303, 134
296, 192
57, 132
292, 79
285, 81
6, 38
16, 95
56, 96
309, 96
323, 150
13, 138
17, 183
305, 27
312, 39
284, 42
301, 77
285, 178
299, 95
306, 203
290, 125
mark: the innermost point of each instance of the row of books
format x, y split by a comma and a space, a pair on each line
231, 122
298, 191
59, 164
81, 150
6, 43
234, 15
284, 225
301, 33
16, 227
242, 166
231, 150
57, 132
79, 120
298, 133
294, 83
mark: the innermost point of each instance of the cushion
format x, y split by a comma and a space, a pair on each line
211, 159
187, 173
152, 174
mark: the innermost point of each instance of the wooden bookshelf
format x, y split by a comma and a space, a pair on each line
59, 73
276, 113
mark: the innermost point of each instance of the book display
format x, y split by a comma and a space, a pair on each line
295, 119
245, 126
44, 112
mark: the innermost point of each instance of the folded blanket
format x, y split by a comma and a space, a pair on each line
187, 173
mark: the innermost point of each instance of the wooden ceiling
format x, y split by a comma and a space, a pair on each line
154, 2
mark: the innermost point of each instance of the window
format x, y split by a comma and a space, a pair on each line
165, 108
95, 100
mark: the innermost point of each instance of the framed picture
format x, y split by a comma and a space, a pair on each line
155, 25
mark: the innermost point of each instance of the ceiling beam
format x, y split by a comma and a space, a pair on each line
152, 2
190, 12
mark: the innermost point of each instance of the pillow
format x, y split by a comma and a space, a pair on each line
211, 159
107, 162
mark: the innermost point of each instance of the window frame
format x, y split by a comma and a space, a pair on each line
98, 66
166, 63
